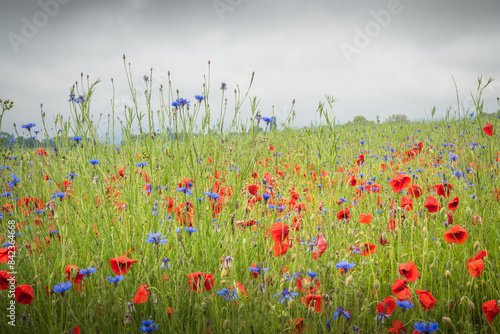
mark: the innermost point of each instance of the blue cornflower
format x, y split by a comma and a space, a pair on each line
285, 295
88, 271
258, 270
423, 328
199, 98
6, 194
115, 279
184, 190
148, 326
156, 238
228, 294
190, 229
71, 176
266, 196
28, 126
405, 304
223, 86
72, 97
165, 263
141, 164
180, 103
77, 139
80, 99
345, 265
312, 275
382, 317
63, 287
94, 161
341, 311
268, 119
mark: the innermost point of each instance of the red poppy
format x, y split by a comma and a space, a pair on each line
76, 330
407, 203
199, 281
343, 214
4, 280
252, 189
73, 274
4, 254
364, 249
24, 294
314, 301
475, 265
432, 204
490, 309
453, 204
142, 294
170, 311
365, 218
400, 289
121, 264
426, 299
400, 182
386, 306
41, 152
299, 325
397, 327
415, 191
409, 271
360, 160
456, 234
352, 181
304, 285
443, 189
449, 215
321, 244
279, 233
488, 130
240, 287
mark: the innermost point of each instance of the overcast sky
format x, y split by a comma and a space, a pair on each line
375, 57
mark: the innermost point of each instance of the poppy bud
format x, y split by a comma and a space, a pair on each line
447, 321
477, 247
376, 285
350, 232
424, 229
293, 257
447, 274
226, 324
349, 280
468, 211
154, 298
361, 233
471, 304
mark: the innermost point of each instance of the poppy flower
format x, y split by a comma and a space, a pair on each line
304, 284
142, 294
386, 306
4, 280
279, 233
343, 214
199, 281
407, 203
443, 189
490, 309
75, 330
320, 244
240, 287
409, 271
488, 130
364, 249
299, 325
365, 218
400, 289
475, 265
314, 301
73, 274
432, 204
415, 191
426, 299
456, 234
400, 182
252, 189
121, 264
397, 327
24, 294
4, 254
449, 215
453, 204
352, 182
170, 311
360, 160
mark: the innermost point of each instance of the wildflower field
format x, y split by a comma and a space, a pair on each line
216, 221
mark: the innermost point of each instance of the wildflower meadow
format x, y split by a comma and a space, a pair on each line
202, 219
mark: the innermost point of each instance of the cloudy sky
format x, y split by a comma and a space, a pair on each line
375, 57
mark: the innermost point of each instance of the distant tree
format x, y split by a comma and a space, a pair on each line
398, 118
